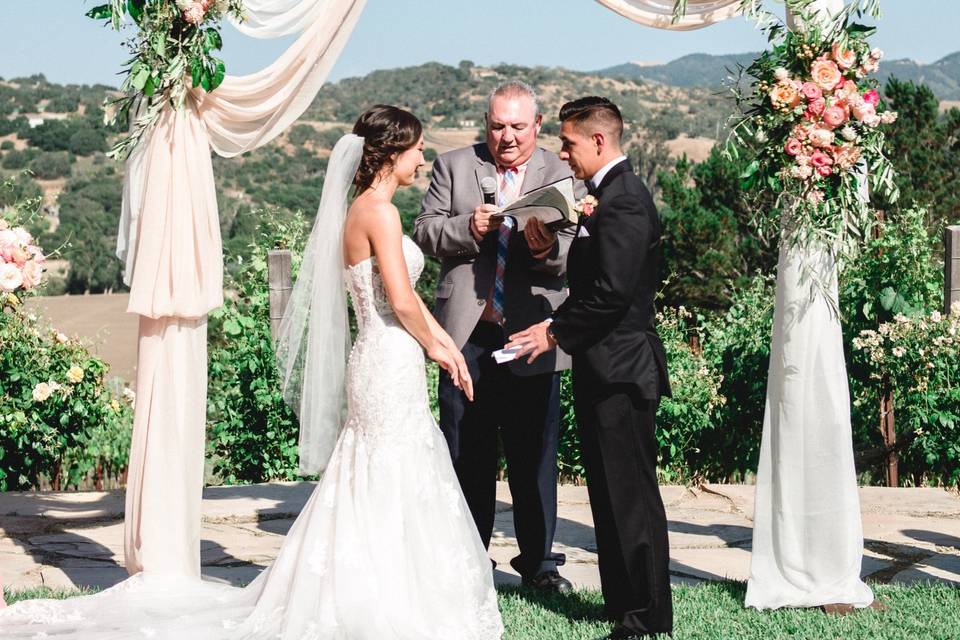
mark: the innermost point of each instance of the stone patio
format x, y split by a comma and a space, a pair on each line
76, 539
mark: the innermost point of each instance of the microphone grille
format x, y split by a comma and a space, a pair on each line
488, 185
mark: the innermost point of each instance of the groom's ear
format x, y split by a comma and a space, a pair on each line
599, 140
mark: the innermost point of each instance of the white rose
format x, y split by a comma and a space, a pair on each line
41, 392
899, 351
11, 278
781, 74
23, 236
62, 338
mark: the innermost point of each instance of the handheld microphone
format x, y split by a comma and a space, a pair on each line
488, 186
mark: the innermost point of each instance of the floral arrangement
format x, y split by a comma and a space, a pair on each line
586, 206
815, 121
173, 47
21, 261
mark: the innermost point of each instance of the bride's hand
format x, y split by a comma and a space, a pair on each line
451, 361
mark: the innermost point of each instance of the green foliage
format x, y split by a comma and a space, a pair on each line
710, 248
50, 166
926, 147
253, 433
59, 420
6, 145
89, 210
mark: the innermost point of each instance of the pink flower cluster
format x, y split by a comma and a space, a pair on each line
194, 11
831, 113
21, 261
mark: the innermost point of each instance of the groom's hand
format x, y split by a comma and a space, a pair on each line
535, 341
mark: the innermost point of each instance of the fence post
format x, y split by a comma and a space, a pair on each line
951, 267
279, 286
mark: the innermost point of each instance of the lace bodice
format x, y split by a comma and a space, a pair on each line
366, 289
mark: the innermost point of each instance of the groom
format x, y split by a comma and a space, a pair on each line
619, 367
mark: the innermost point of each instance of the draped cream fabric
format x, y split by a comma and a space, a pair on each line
169, 240
659, 13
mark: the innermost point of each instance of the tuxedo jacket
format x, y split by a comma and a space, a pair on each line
533, 288
608, 323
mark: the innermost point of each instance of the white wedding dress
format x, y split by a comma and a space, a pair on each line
385, 549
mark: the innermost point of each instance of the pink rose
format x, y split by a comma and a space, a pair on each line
36, 253
811, 91
863, 110
32, 274
824, 170
834, 117
817, 106
10, 278
793, 147
194, 15
872, 97
820, 159
18, 256
800, 132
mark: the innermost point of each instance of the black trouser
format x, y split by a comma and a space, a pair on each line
525, 410
620, 457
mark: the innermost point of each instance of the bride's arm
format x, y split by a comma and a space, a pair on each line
386, 238
438, 332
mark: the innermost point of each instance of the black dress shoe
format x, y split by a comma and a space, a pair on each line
622, 633
548, 581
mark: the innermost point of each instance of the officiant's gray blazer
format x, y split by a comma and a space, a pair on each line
532, 288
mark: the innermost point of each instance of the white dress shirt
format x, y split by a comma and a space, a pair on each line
600, 175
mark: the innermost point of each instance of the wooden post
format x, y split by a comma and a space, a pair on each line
889, 433
951, 267
279, 276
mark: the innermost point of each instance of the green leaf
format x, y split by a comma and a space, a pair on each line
100, 12
150, 87
196, 71
219, 72
212, 40
751, 169
232, 327
135, 9
159, 43
140, 76
205, 78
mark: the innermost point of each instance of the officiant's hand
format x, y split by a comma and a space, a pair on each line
539, 238
482, 221
535, 341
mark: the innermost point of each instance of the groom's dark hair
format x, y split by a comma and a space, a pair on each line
594, 110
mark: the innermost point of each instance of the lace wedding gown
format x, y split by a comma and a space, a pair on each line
384, 549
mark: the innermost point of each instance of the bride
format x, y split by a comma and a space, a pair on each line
385, 548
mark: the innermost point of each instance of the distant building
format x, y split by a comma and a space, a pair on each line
468, 124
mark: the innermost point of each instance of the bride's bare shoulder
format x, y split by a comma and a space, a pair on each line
376, 213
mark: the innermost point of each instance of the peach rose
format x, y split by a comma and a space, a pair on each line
834, 117
194, 14
18, 256
800, 132
845, 58
32, 274
846, 156
826, 73
784, 94
811, 91
793, 147
817, 106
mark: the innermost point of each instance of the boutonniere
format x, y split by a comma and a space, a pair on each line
586, 206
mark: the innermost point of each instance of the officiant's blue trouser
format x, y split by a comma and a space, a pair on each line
525, 412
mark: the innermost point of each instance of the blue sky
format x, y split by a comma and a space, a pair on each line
53, 37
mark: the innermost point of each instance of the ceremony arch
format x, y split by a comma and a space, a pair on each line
169, 241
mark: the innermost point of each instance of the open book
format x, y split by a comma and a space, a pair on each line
553, 205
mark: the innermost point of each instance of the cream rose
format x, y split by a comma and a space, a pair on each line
821, 137
11, 278
826, 73
41, 392
75, 374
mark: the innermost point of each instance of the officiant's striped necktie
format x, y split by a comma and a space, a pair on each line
508, 192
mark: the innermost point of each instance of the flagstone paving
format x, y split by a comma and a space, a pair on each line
76, 539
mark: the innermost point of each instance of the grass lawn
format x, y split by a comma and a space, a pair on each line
715, 612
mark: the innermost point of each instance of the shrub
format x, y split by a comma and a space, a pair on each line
6, 145
50, 166
253, 434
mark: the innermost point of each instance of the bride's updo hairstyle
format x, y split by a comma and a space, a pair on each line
386, 131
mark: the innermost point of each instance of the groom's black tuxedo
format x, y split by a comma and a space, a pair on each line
608, 324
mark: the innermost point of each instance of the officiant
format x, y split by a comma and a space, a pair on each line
495, 281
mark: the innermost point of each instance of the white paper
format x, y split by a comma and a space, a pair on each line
506, 355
